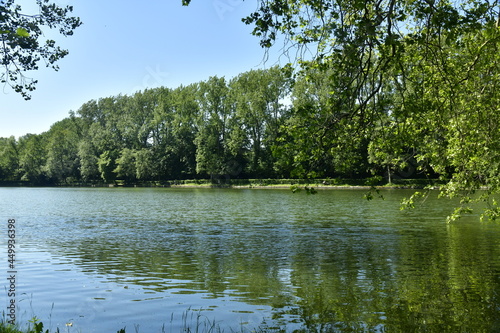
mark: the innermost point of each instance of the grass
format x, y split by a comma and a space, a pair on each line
34, 326
192, 322
200, 327
332, 183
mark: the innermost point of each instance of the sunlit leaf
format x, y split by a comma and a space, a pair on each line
22, 32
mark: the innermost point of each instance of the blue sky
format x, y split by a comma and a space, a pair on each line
124, 46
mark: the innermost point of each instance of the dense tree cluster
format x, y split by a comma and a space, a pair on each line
207, 129
241, 128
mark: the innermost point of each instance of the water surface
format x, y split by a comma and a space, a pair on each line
104, 259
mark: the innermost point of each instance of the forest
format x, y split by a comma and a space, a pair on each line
265, 123
216, 129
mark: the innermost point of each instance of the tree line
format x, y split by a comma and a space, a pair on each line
217, 129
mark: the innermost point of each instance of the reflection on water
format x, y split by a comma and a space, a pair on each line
109, 258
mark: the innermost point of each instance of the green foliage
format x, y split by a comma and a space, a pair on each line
307, 189
9, 158
107, 166
21, 32
88, 160
259, 97
210, 140
35, 326
408, 87
32, 158
62, 160
125, 165
20, 41
145, 164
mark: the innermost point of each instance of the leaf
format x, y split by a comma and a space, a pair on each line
22, 32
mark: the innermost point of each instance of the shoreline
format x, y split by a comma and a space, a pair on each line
241, 187
285, 187
292, 184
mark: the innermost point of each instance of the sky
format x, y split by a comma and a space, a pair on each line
125, 46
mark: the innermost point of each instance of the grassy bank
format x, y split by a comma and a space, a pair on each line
227, 182
284, 183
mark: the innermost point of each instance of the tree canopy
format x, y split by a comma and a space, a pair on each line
218, 129
21, 45
417, 78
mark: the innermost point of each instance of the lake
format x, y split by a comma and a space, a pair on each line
164, 259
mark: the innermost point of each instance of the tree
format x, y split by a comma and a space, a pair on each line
145, 164
258, 96
125, 165
107, 166
400, 68
315, 134
104, 121
32, 157
88, 160
62, 163
211, 153
134, 115
9, 158
20, 41
184, 126
451, 113
157, 156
